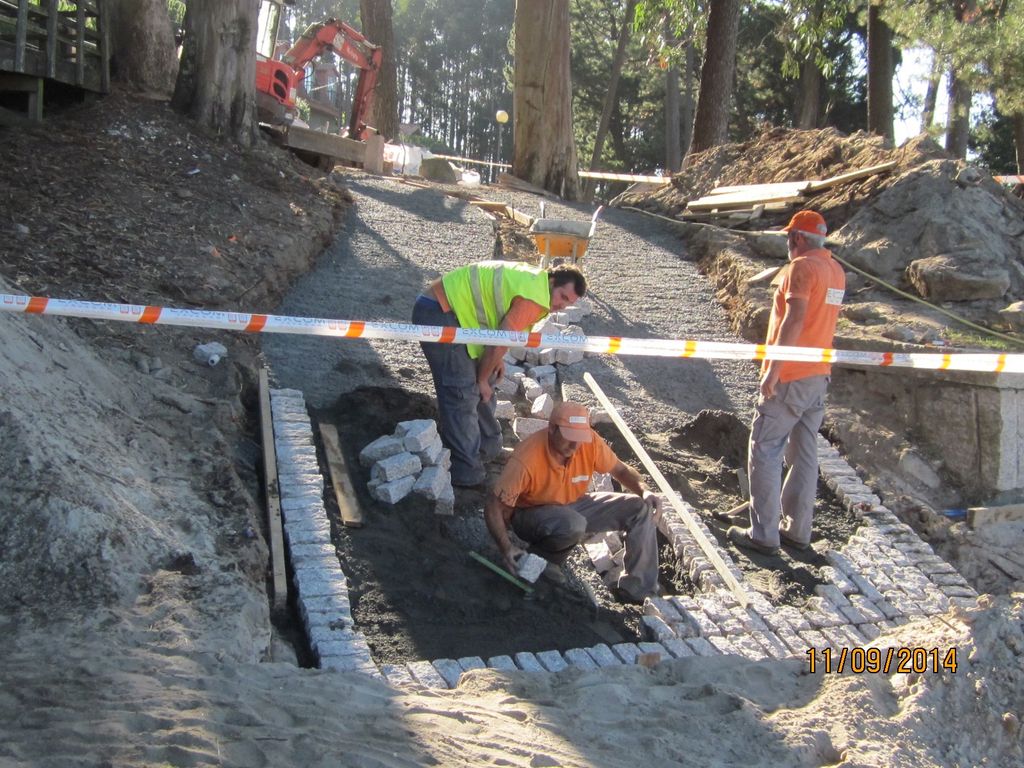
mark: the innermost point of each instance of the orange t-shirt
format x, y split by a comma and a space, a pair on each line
522, 314
534, 477
818, 278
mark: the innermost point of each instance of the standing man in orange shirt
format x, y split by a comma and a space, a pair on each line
791, 402
542, 495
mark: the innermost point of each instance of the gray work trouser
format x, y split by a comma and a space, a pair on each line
553, 530
467, 424
787, 425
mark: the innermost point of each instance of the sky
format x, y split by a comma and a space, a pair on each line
911, 77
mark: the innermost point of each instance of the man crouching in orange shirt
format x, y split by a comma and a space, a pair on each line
542, 495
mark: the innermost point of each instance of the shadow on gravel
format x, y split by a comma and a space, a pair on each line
429, 204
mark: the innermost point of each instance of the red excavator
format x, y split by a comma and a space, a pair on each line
277, 79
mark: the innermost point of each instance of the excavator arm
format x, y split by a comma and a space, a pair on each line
348, 43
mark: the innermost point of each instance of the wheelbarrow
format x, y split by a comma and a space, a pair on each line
562, 238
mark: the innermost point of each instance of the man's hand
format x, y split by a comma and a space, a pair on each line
653, 501
768, 382
486, 390
510, 556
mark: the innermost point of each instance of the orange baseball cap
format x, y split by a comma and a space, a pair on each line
807, 221
573, 421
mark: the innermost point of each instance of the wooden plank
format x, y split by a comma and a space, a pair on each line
763, 276
273, 494
508, 180
817, 186
977, 516
1012, 569
322, 143
495, 206
20, 36
344, 493
104, 22
740, 200
706, 546
788, 187
519, 217
455, 158
636, 179
747, 213
51, 38
373, 155
80, 46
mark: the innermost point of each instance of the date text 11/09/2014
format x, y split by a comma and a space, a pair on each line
885, 660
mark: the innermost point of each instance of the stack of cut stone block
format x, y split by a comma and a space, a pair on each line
411, 460
317, 577
531, 375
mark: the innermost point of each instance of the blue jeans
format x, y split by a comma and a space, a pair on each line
467, 424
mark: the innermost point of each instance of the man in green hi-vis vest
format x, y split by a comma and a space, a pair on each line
495, 295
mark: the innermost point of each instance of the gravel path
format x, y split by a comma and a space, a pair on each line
397, 237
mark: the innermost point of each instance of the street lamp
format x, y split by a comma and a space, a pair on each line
501, 116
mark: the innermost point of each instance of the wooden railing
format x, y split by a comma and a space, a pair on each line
63, 40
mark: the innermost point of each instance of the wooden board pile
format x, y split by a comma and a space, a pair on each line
750, 201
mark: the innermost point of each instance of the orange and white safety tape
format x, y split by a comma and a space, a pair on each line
613, 345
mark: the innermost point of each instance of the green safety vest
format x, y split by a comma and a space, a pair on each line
480, 294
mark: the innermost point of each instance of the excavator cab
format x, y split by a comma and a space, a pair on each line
277, 79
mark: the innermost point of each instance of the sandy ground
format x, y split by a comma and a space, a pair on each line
134, 622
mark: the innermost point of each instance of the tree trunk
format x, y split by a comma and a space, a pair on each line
958, 122
378, 29
931, 95
544, 150
673, 107
143, 53
610, 95
1018, 140
808, 108
686, 109
673, 148
711, 125
217, 78
880, 74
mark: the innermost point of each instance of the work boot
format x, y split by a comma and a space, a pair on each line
785, 539
741, 538
630, 597
476, 481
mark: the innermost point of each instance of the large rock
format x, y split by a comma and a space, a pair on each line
436, 169
931, 211
945, 278
1014, 315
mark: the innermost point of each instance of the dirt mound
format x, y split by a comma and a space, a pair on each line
121, 200
782, 155
932, 226
127, 465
